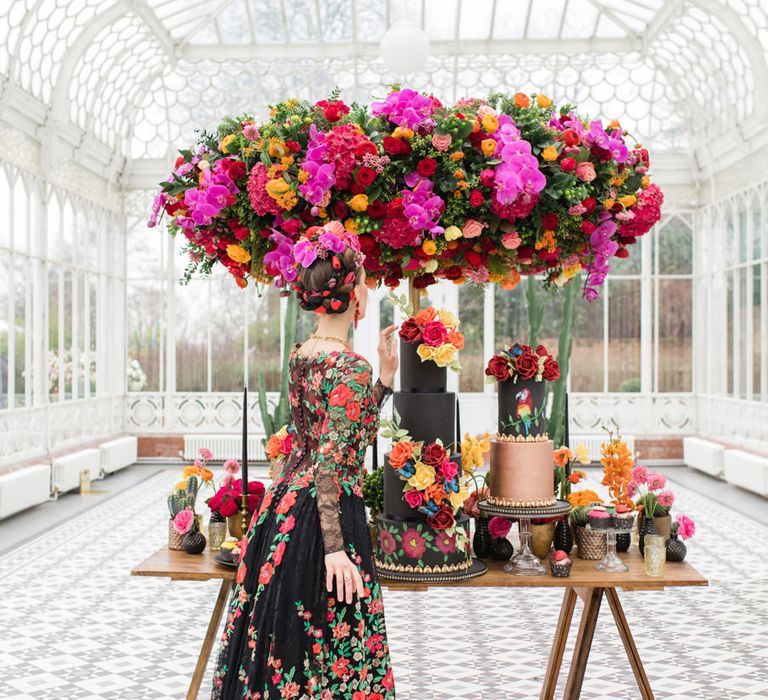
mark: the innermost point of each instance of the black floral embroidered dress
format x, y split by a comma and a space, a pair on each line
285, 636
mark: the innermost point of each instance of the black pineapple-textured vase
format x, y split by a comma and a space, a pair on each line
502, 549
563, 538
676, 549
482, 542
647, 528
623, 540
194, 542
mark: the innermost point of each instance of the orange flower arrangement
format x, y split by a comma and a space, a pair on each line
617, 461
584, 497
563, 456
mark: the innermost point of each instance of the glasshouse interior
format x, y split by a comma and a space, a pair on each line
474, 291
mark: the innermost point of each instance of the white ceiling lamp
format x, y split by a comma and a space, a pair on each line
404, 48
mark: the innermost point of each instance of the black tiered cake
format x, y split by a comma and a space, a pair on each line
408, 546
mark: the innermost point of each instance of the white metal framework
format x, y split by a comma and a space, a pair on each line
96, 95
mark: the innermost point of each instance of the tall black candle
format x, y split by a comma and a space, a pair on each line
244, 464
458, 424
567, 427
375, 447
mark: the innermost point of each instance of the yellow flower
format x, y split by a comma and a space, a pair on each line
614, 125
238, 253
543, 101
549, 153
429, 247
276, 148
359, 202
444, 354
181, 485
645, 182
424, 476
490, 123
303, 175
583, 498
488, 146
628, 200
457, 499
425, 352
277, 187
447, 318
582, 454
431, 266
350, 225
547, 241
191, 470
608, 203
403, 132
226, 142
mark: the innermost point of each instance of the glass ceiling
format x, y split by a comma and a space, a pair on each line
139, 75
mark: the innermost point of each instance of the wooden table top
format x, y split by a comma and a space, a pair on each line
180, 566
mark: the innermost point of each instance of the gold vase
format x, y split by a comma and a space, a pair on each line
663, 525
235, 525
590, 544
541, 539
174, 538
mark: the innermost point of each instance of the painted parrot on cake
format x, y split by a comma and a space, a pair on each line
525, 408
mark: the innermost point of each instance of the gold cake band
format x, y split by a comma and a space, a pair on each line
515, 503
519, 438
409, 569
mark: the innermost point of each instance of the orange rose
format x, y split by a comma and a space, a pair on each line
436, 492
522, 100
424, 315
456, 339
401, 452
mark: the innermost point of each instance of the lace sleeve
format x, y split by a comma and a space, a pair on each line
348, 400
381, 392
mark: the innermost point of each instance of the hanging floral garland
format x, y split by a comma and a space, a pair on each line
481, 191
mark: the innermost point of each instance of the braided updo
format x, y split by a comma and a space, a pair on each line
328, 284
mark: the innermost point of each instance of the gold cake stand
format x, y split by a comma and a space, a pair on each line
525, 562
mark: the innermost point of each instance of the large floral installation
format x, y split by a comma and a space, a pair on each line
484, 190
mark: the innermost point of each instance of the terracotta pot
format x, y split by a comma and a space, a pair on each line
663, 525
541, 539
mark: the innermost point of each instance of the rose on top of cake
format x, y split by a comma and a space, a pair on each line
522, 362
437, 335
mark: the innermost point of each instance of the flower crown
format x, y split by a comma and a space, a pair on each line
326, 242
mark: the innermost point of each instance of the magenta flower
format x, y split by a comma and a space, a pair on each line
305, 252
686, 527
157, 204
331, 242
321, 173
423, 208
281, 259
407, 108
499, 527
182, 523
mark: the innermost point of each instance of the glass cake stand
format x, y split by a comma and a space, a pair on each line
611, 561
525, 562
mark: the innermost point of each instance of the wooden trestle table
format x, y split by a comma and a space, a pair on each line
584, 582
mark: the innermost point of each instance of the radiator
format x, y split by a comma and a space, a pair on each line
704, 455
224, 446
65, 471
747, 471
24, 488
593, 444
118, 454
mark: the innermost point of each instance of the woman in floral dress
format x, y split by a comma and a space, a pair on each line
306, 619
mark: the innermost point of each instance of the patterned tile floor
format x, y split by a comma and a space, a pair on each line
75, 625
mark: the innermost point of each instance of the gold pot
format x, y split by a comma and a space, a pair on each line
663, 525
235, 525
541, 539
590, 543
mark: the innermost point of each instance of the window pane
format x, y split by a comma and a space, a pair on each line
742, 235
5, 275
624, 335
471, 325
53, 331
145, 334
93, 283
264, 337
631, 264
675, 251
729, 329
510, 316
742, 347
386, 312
588, 345
675, 335
21, 279
757, 229
227, 331
757, 320
20, 217
192, 336
67, 349
5, 209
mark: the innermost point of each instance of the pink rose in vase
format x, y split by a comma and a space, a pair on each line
183, 521
434, 333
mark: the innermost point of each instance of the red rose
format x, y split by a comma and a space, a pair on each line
340, 209
527, 365
366, 148
571, 138
434, 454
395, 207
525, 253
498, 367
487, 177
434, 333
441, 520
588, 227
453, 272
240, 231
551, 369
541, 351
392, 145
426, 167
622, 253
365, 176
568, 164
414, 498
376, 209
333, 110
293, 146
549, 222
368, 245
229, 507
410, 331
473, 258
476, 198
236, 169
179, 161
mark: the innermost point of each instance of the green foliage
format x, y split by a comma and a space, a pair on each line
391, 429
373, 491
274, 420
630, 385
556, 427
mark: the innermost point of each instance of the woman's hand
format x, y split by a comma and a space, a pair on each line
348, 580
387, 355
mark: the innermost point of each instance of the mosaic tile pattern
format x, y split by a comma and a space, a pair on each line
74, 624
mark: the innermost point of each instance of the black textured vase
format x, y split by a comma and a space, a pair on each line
194, 542
502, 549
563, 538
676, 549
217, 517
623, 540
647, 528
482, 542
